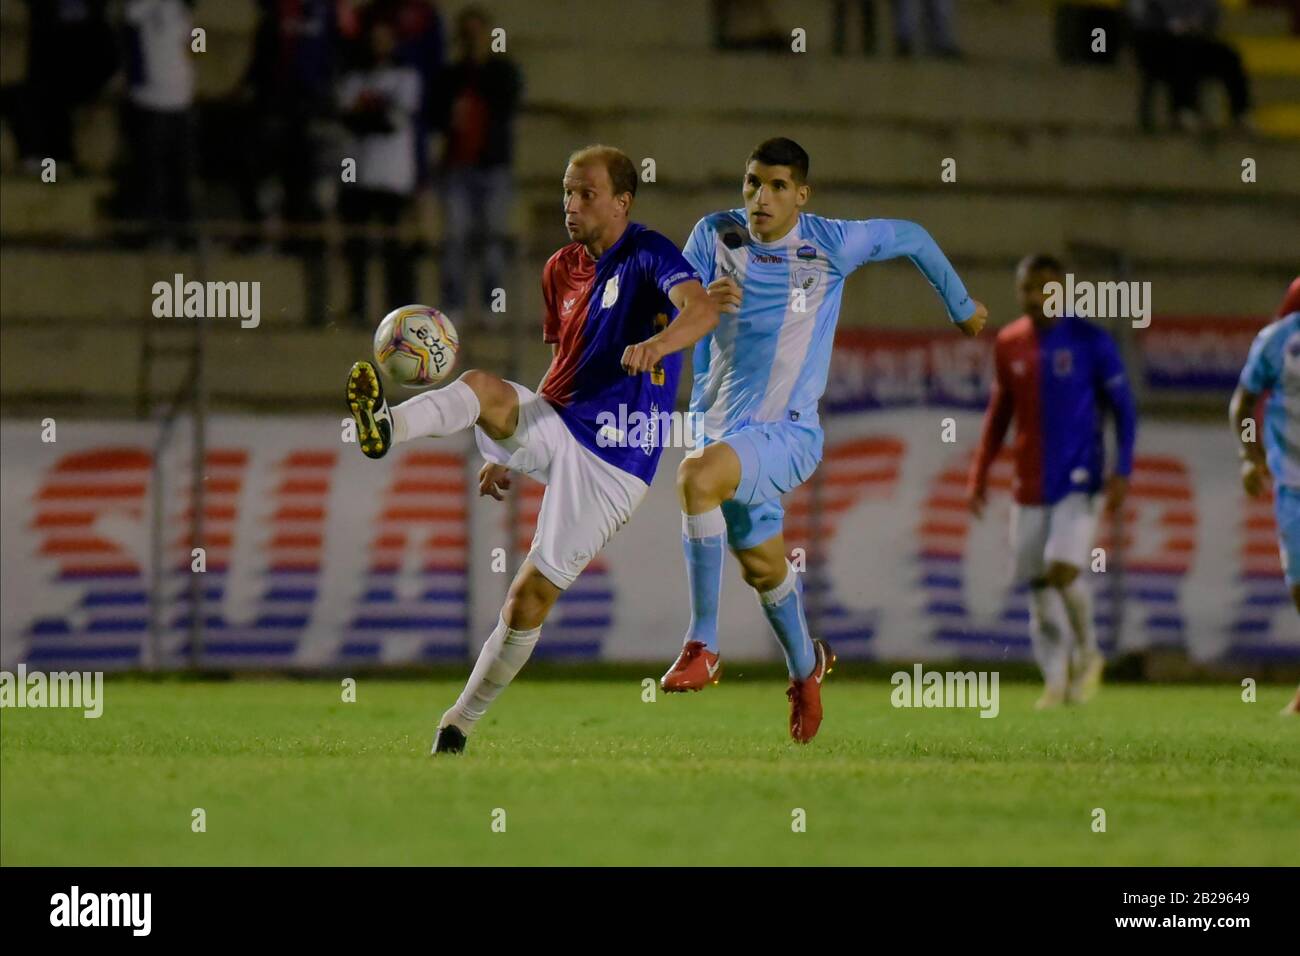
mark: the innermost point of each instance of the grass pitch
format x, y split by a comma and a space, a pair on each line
586, 773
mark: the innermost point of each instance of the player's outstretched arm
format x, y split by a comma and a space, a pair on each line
697, 316
883, 239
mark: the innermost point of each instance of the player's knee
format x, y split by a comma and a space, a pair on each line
496, 400
1061, 575
695, 482
484, 384
529, 601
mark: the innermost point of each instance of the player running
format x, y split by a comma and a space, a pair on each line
605, 293
1051, 375
779, 274
1274, 365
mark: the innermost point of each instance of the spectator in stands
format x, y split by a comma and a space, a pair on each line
748, 25
418, 32
936, 15
59, 33
477, 98
1176, 45
841, 18
289, 88
157, 120
379, 103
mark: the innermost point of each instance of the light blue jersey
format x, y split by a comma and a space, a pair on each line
769, 361
760, 374
1274, 363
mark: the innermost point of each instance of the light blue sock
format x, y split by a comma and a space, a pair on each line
783, 606
703, 541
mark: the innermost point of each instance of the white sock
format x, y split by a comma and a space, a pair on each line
1077, 597
435, 413
1049, 630
502, 657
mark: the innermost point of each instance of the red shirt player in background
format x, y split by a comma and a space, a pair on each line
1053, 375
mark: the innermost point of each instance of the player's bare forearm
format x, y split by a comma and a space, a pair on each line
1242, 410
696, 318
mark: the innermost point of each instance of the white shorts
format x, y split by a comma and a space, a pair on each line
586, 498
1044, 534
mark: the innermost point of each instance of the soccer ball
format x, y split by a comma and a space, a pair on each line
416, 345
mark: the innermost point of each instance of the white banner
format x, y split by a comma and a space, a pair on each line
315, 556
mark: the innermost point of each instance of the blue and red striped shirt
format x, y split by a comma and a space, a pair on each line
1054, 382
595, 309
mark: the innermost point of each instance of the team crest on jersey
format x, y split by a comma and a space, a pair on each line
1062, 362
611, 292
806, 279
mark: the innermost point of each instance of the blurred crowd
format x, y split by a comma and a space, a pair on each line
1175, 44
347, 111
351, 111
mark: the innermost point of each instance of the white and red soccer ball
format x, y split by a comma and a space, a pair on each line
416, 345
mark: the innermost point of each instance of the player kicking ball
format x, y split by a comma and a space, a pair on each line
603, 293
1274, 365
1050, 374
778, 273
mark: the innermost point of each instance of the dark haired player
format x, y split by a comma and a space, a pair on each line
779, 274
603, 292
1274, 366
1051, 374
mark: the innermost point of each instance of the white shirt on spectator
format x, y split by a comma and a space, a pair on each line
386, 161
163, 77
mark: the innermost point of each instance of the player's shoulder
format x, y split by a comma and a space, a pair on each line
1085, 330
823, 228
723, 223
1014, 331
643, 237
1278, 331
563, 257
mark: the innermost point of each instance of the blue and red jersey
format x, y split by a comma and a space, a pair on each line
595, 309
1054, 382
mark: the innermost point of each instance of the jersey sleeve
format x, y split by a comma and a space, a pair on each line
876, 240
1261, 371
1112, 379
664, 265
699, 250
551, 316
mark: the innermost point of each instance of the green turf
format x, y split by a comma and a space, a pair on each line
588, 773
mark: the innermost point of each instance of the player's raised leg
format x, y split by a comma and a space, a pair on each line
476, 398
780, 592
768, 571
705, 479
507, 649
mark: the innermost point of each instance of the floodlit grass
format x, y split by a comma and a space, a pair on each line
587, 773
